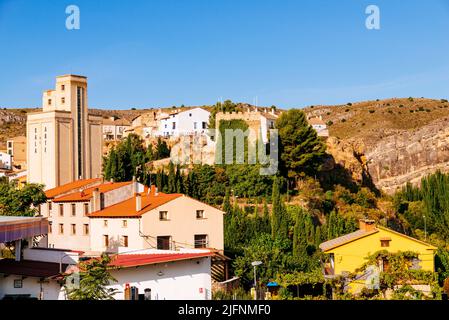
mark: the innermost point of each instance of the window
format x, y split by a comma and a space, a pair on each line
86, 229
105, 223
124, 241
50, 230
86, 209
194, 125
190, 114
18, 283
163, 215
73, 229
106, 240
61, 228
201, 241
163, 242
385, 242
61, 210
200, 214
49, 102
49, 206
204, 125
62, 100
173, 125
62, 87
73, 209
9, 144
124, 223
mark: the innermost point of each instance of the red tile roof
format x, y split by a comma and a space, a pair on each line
30, 268
86, 194
134, 260
127, 208
75, 185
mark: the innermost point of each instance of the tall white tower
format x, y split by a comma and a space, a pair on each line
63, 141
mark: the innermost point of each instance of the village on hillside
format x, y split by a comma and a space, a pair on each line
151, 203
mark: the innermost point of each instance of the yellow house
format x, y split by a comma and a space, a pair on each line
349, 252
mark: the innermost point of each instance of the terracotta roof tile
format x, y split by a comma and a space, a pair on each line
127, 208
75, 185
86, 194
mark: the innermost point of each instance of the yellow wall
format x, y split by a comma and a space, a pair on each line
351, 256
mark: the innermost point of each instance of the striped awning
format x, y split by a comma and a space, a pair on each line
16, 228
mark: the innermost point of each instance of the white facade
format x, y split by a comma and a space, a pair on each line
114, 129
64, 141
5, 161
178, 280
189, 122
182, 227
185, 279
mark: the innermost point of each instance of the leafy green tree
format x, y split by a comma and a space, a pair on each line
20, 202
301, 150
162, 150
95, 277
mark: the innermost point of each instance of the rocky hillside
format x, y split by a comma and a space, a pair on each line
391, 141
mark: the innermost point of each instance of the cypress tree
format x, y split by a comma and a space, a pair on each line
227, 203
279, 223
171, 188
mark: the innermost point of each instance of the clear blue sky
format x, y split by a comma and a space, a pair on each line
194, 52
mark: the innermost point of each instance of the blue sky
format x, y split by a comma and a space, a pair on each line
194, 52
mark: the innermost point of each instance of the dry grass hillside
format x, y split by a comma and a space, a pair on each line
370, 121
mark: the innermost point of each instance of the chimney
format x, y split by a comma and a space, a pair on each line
134, 185
96, 199
367, 225
138, 202
272, 111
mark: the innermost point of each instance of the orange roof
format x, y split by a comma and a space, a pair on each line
75, 185
86, 195
127, 208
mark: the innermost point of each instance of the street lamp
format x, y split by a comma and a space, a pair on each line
255, 264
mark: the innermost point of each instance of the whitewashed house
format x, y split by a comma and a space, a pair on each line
190, 122
5, 161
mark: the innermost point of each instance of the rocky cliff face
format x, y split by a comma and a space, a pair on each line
408, 156
396, 158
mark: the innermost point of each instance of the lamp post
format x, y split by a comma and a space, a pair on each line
255, 264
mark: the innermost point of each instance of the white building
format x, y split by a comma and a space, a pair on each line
96, 216
64, 141
190, 122
166, 275
114, 129
5, 161
320, 126
156, 275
